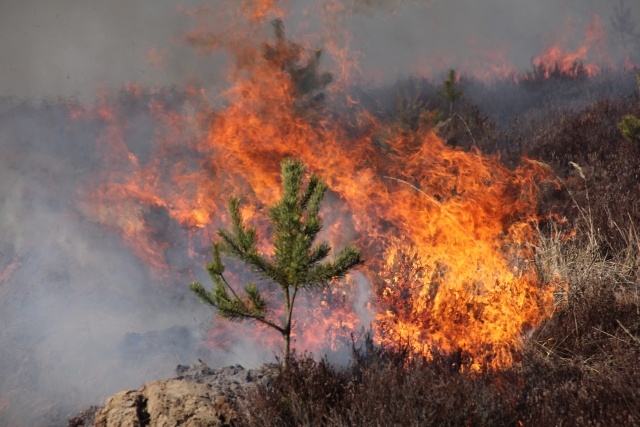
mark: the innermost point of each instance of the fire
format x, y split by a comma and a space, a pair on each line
563, 56
573, 62
447, 234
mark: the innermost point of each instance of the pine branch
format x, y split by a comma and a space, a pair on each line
258, 303
322, 274
311, 186
234, 308
201, 292
292, 174
296, 263
319, 253
215, 267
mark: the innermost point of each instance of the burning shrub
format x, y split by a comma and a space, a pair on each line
398, 189
579, 367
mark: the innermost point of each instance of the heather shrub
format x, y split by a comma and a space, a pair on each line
596, 167
381, 387
580, 367
304, 394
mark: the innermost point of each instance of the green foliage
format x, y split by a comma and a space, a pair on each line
286, 55
296, 264
450, 91
629, 126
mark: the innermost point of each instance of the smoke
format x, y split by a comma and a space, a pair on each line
73, 48
81, 316
426, 38
73, 302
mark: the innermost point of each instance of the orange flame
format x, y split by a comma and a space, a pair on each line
572, 62
447, 234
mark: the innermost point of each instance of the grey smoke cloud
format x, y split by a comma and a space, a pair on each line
428, 37
74, 47
81, 317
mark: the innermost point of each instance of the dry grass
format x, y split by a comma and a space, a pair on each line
579, 368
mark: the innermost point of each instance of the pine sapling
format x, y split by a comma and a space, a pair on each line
450, 91
296, 264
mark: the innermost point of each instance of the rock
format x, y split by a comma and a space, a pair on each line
198, 396
166, 403
121, 409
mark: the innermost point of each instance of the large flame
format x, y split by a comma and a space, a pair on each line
447, 234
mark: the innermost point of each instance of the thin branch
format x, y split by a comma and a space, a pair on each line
233, 291
263, 320
627, 331
248, 316
475, 144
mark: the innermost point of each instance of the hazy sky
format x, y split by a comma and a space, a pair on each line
73, 47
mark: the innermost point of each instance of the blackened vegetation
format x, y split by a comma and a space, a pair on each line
141, 412
586, 357
599, 168
381, 387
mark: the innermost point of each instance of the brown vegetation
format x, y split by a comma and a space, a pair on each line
580, 367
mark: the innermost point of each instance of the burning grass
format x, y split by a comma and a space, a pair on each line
579, 367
